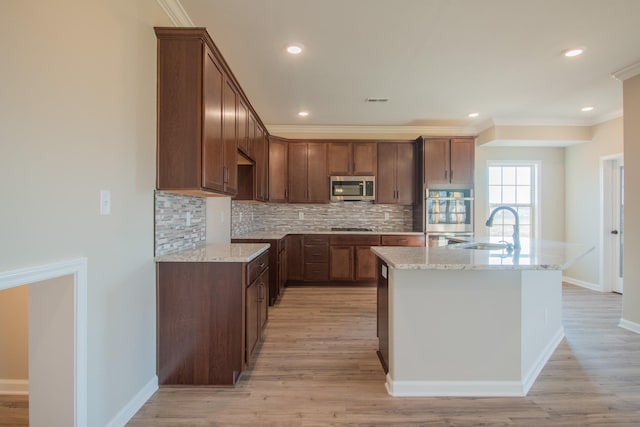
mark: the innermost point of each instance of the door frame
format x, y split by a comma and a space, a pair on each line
608, 172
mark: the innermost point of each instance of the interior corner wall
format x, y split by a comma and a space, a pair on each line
14, 334
551, 192
78, 109
631, 105
582, 204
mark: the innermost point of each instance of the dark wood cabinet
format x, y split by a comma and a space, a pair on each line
402, 240
352, 158
278, 168
256, 311
396, 173
277, 264
308, 181
196, 109
316, 258
383, 313
243, 128
449, 161
295, 257
351, 258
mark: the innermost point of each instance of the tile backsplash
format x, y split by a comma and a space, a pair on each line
248, 217
171, 231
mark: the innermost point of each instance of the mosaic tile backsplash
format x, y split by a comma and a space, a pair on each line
247, 217
172, 232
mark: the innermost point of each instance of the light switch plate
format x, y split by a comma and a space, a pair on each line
105, 202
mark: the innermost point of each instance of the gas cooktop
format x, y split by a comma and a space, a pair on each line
350, 229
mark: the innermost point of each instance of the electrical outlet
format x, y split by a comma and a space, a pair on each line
105, 202
300, 215
188, 219
386, 216
240, 217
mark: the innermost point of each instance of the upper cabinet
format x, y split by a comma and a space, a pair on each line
396, 173
449, 161
277, 170
308, 181
352, 158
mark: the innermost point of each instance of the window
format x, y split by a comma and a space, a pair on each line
513, 184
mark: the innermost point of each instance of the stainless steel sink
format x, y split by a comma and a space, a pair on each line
483, 246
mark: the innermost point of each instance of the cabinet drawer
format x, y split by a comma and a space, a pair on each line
316, 239
316, 254
255, 267
402, 240
316, 271
355, 239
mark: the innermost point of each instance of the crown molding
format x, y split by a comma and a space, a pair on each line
373, 131
175, 12
627, 72
609, 116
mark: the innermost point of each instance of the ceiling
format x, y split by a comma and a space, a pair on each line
435, 60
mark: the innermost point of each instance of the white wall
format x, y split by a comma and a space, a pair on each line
583, 213
631, 301
77, 106
551, 191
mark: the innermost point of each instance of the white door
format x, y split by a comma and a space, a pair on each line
618, 231
612, 199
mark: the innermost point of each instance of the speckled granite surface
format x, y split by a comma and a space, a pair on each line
534, 255
232, 252
280, 234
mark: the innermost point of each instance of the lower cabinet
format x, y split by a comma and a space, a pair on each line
295, 257
383, 313
351, 259
210, 316
278, 272
316, 258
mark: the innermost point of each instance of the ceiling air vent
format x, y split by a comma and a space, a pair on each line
377, 99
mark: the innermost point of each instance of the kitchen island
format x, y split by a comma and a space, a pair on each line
454, 321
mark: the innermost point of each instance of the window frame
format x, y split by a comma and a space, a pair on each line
536, 166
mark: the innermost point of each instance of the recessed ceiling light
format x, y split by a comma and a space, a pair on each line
473, 115
294, 49
588, 108
576, 51
303, 113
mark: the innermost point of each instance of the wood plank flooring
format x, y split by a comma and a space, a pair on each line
318, 367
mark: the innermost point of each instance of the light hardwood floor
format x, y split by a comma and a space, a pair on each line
318, 366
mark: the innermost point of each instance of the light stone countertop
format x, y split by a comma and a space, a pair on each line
534, 255
232, 252
273, 234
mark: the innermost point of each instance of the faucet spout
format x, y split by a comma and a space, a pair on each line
516, 226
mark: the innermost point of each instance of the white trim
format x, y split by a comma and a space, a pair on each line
609, 116
78, 269
583, 284
414, 131
175, 12
129, 410
629, 325
627, 72
453, 388
19, 387
541, 361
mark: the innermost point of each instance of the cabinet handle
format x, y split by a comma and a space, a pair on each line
445, 174
262, 265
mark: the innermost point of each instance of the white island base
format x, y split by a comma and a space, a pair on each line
469, 332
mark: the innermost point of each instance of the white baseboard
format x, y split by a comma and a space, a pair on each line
453, 388
541, 361
630, 326
583, 284
134, 405
20, 387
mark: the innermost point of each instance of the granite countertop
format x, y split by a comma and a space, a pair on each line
273, 234
534, 255
231, 252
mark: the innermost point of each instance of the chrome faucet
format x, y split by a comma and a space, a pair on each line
516, 226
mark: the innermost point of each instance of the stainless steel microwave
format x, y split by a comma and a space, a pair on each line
353, 188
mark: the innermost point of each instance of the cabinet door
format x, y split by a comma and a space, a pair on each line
436, 161
212, 139
295, 260
251, 319
282, 273
263, 300
386, 182
341, 263
297, 172
317, 178
260, 157
383, 312
462, 161
365, 158
229, 129
243, 127
405, 175
365, 263
277, 171
264, 171
339, 158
